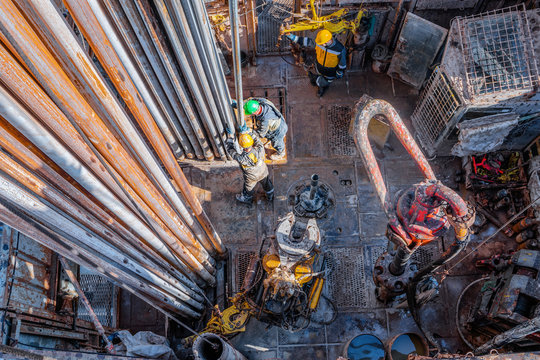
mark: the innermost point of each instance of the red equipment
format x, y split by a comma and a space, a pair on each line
419, 215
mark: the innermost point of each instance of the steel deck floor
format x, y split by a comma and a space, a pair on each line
318, 143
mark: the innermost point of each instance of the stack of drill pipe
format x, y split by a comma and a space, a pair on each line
78, 176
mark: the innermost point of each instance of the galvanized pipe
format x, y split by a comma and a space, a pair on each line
13, 217
198, 19
81, 237
200, 38
187, 71
41, 138
31, 206
198, 64
84, 67
45, 68
66, 205
18, 147
235, 37
144, 53
148, 126
168, 61
314, 186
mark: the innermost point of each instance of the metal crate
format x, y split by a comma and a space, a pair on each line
270, 18
498, 52
435, 111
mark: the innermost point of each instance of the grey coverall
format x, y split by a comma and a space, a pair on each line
253, 167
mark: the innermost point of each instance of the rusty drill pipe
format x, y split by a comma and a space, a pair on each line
195, 54
41, 138
79, 239
57, 83
182, 61
84, 299
366, 109
143, 52
51, 195
142, 115
18, 147
208, 36
191, 123
19, 221
76, 56
204, 47
82, 237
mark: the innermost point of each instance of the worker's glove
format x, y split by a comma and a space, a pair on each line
339, 74
291, 37
229, 131
234, 104
243, 128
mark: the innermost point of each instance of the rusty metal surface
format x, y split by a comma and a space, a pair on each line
366, 108
158, 40
498, 53
11, 215
56, 81
131, 95
418, 43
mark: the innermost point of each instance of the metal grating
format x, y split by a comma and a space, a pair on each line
340, 142
425, 255
242, 260
347, 281
274, 94
437, 105
498, 51
102, 295
270, 19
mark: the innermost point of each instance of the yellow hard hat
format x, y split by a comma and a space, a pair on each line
245, 140
323, 37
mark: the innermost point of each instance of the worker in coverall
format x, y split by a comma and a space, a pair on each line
254, 169
268, 123
331, 58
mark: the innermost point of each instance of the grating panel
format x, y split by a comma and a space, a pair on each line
242, 261
102, 295
498, 51
426, 254
437, 105
270, 19
340, 142
347, 281
274, 94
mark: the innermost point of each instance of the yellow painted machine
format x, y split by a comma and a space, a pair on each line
336, 22
282, 286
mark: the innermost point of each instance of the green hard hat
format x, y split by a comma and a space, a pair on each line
251, 106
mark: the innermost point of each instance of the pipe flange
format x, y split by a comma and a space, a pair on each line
462, 221
320, 206
388, 284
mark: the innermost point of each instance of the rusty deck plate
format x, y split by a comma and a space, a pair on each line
340, 142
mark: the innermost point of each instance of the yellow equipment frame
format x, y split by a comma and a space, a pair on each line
333, 22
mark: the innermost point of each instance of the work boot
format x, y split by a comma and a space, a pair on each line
321, 91
270, 195
277, 155
312, 78
244, 199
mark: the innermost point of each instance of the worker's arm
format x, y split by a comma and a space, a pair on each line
342, 62
231, 148
263, 126
302, 40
